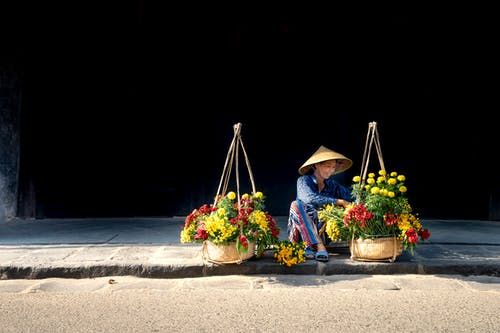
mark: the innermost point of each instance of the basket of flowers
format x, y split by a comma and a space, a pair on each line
235, 227
232, 230
381, 223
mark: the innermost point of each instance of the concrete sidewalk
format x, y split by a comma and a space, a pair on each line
150, 247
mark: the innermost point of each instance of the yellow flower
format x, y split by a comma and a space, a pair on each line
259, 217
231, 195
258, 195
333, 217
186, 233
220, 229
289, 254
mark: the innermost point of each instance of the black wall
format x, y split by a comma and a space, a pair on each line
128, 110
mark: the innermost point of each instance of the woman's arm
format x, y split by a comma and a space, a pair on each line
307, 192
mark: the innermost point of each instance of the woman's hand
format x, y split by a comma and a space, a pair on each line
343, 203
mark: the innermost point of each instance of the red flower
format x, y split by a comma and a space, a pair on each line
390, 218
201, 233
358, 214
203, 210
412, 236
243, 241
424, 233
206, 209
273, 226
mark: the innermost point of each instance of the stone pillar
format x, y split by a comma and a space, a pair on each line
10, 105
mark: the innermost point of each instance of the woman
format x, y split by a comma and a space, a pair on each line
315, 189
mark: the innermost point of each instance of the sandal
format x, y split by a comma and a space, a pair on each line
321, 255
309, 254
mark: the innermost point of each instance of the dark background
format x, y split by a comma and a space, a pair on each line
128, 107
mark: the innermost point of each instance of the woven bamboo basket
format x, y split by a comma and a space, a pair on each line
226, 254
376, 249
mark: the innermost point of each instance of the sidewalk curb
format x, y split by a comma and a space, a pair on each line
191, 265
248, 268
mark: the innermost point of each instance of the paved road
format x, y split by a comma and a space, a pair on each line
262, 303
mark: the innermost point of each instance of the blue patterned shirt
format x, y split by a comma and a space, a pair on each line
308, 192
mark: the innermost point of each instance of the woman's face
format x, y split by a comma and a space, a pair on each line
327, 168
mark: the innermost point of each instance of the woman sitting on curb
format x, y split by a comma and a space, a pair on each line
316, 188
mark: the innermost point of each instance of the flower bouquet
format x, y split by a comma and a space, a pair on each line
243, 222
288, 254
381, 210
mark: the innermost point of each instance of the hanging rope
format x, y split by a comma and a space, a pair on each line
233, 158
372, 138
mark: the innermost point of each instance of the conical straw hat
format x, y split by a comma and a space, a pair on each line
325, 154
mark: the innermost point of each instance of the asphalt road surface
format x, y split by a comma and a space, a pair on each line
270, 303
